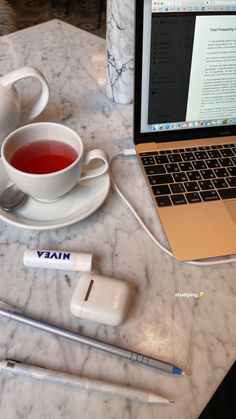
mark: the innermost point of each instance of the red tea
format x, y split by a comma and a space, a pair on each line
43, 156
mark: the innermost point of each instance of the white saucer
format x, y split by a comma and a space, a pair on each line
78, 204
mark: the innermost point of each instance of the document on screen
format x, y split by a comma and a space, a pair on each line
212, 88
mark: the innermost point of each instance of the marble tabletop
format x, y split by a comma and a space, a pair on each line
164, 320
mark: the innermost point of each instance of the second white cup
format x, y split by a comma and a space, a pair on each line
46, 160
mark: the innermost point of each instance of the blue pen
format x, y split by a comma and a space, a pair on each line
10, 312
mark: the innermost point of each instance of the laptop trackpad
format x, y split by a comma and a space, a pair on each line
231, 207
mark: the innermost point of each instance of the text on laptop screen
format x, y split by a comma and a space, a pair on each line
188, 65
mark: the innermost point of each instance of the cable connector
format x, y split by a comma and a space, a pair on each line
129, 152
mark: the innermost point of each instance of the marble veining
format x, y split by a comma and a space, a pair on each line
197, 334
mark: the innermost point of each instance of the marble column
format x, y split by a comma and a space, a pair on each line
120, 50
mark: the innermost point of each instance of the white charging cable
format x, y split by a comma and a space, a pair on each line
132, 152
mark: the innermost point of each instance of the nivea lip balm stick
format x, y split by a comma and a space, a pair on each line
58, 259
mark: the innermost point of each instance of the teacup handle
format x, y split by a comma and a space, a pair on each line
96, 154
24, 72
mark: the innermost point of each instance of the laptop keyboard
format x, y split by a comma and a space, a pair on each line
191, 175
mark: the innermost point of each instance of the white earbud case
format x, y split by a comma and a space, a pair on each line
101, 299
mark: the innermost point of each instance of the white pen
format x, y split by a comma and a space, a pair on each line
13, 367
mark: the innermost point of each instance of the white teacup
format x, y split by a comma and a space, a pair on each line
48, 186
11, 113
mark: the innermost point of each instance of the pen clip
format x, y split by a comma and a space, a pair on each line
7, 306
11, 360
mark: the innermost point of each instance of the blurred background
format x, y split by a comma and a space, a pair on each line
89, 15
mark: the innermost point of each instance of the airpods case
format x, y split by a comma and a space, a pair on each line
101, 299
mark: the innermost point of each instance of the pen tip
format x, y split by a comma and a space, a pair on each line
171, 401
185, 373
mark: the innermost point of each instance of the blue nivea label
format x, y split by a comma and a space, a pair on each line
53, 255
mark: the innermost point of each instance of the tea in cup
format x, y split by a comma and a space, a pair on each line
46, 160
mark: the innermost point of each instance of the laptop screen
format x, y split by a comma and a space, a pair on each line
185, 69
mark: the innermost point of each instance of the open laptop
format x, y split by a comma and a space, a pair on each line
185, 120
